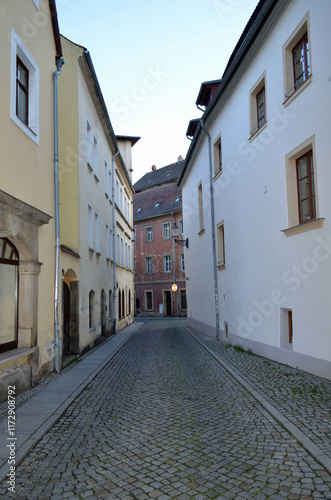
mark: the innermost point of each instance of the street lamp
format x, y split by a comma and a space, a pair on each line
175, 234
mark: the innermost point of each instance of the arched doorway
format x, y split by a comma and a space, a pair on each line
9, 262
70, 314
66, 320
103, 306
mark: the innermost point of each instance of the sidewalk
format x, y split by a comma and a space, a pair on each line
38, 413
301, 402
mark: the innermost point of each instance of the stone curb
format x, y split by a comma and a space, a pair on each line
311, 447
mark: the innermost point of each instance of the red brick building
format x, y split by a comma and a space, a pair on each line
159, 261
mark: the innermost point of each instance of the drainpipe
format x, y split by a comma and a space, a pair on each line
114, 241
212, 210
59, 63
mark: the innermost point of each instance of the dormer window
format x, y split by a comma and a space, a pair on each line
157, 205
177, 200
138, 210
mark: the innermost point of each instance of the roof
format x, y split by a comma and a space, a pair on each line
55, 25
192, 126
253, 28
160, 201
129, 138
163, 175
207, 92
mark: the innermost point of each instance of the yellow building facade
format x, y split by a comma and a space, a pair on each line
29, 46
96, 197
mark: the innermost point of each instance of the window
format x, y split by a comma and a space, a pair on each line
90, 227
257, 106
129, 257
109, 242
110, 307
108, 185
126, 255
118, 248
9, 262
183, 302
181, 227
91, 310
166, 231
297, 60
121, 199
220, 245
117, 192
149, 268
89, 144
182, 263
306, 190
301, 67
97, 233
167, 264
24, 99
301, 183
200, 204
22, 91
260, 107
95, 156
218, 156
148, 301
149, 234
122, 251
286, 327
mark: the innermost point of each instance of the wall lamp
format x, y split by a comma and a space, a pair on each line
175, 234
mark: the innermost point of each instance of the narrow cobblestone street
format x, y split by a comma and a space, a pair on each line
165, 420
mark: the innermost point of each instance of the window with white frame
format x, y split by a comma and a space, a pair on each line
24, 98
166, 231
107, 242
121, 199
95, 156
97, 232
118, 248
125, 207
149, 265
149, 234
129, 256
111, 243
90, 226
126, 254
167, 263
89, 147
257, 106
181, 227
108, 186
182, 263
297, 60
122, 251
117, 192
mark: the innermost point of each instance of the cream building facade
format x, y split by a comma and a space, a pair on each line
30, 45
96, 198
256, 181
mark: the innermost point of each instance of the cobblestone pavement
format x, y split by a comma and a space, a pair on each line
164, 420
303, 398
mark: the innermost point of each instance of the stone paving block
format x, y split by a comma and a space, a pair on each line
165, 420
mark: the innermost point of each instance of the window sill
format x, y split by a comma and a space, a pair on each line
303, 227
217, 174
96, 177
202, 231
288, 100
89, 166
258, 132
221, 266
92, 329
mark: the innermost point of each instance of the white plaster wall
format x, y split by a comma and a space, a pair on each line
251, 199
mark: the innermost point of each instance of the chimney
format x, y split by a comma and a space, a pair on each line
180, 158
153, 168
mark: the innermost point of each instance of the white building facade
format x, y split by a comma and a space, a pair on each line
256, 180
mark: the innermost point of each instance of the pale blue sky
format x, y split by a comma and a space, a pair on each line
151, 58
